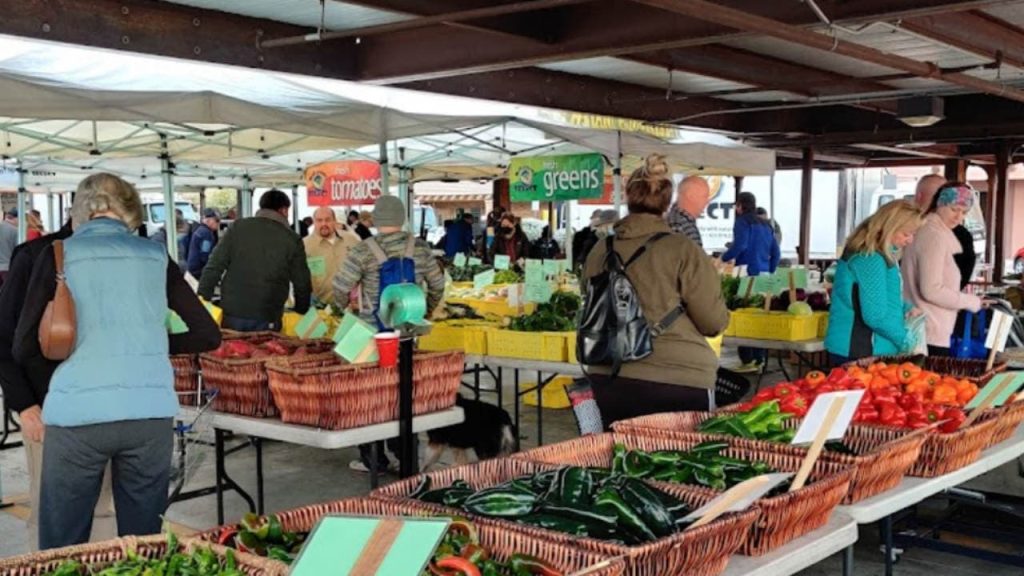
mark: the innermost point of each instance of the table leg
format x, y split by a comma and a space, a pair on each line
218, 444
498, 384
515, 395
848, 561
258, 444
540, 414
476, 381
409, 464
782, 366
375, 448
10, 425
885, 526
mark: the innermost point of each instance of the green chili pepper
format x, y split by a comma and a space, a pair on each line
628, 518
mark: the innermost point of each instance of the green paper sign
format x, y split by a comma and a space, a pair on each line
476, 262
501, 262
317, 266
356, 344
746, 287
311, 325
553, 267
766, 284
568, 177
799, 276
483, 280
175, 325
338, 543
1016, 381
459, 261
534, 266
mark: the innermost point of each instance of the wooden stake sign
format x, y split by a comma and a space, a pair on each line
998, 333
737, 498
370, 546
834, 408
998, 388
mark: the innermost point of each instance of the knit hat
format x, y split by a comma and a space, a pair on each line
960, 195
606, 217
211, 213
388, 211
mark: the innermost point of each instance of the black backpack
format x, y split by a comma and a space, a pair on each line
613, 328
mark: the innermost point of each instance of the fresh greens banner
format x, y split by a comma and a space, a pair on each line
568, 177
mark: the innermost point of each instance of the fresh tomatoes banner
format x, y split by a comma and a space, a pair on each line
344, 183
569, 177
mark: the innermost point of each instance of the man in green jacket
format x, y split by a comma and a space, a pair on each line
254, 263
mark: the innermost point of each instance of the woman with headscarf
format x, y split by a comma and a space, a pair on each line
931, 277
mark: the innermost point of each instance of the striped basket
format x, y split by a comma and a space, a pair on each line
780, 518
702, 551
884, 455
1008, 418
501, 543
103, 554
327, 393
186, 378
944, 453
976, 371
241, 384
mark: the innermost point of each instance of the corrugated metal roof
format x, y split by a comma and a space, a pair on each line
643, 74
337, 15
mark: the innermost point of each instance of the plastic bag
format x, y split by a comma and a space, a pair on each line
917, 338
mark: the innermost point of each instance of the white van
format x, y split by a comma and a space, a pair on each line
155, 214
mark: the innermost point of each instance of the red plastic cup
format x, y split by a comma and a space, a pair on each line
387, 349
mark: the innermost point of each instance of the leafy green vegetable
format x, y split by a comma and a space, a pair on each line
507, 277
466, 273
557, 315
200, 562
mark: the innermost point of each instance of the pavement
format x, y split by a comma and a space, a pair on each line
296, 476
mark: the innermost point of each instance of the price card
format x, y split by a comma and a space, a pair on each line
537, 290
998, 331
459, 261
535, 266
1003, 386
766, 284
738, 498
553, 267
746, 288
368, 546
311, 325
475, 262
483, 280
501, 262
317, 266
797, 274
175, 325
819, 410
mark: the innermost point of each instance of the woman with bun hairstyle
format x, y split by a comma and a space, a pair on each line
680, 372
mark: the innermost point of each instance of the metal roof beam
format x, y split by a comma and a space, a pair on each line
975, 32
749, 22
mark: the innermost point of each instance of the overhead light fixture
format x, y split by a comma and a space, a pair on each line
921, 112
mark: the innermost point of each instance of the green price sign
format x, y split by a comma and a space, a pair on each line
568, 177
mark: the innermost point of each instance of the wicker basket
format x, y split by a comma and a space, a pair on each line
241, 384
702, 551
975, 371
944, 453
780, 519
103, 554
501, 543
1008, 417
885, 455
337, 396
186, 378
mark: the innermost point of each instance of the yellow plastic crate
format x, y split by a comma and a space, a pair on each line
570, 348
547, 346
553, 396
754, 323
494, 307
730, 330
289, 322
468, 336
822, 323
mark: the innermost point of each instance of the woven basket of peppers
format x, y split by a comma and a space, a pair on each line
582, 510
716, 465
879, 457
468, 549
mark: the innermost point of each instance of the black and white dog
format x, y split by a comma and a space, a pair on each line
487, 429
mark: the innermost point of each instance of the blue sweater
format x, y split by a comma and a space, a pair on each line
867, 311
753, 245
200, 246
119, 368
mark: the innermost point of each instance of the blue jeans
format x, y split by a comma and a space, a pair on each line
748, 355
249, 325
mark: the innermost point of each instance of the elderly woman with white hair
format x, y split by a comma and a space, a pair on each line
112, 400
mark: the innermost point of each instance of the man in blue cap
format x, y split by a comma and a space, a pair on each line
202, 243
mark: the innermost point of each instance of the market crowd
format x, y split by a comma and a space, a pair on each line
97, 423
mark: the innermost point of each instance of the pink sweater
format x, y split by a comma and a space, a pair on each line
931, 280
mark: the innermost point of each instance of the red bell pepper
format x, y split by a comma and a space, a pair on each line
764, 395
794, 404
955, 417
892, 415
786, 389
815, 378
454, 566
837, 375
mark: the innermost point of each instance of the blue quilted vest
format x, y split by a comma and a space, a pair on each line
119, 369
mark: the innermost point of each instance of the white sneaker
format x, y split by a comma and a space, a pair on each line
750, 367
358, 466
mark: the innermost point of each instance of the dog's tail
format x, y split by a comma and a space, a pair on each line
509, 439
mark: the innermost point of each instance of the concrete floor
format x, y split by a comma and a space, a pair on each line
296, 476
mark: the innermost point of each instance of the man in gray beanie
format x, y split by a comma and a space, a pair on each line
363, 268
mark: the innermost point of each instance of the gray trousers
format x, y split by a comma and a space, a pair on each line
139, 454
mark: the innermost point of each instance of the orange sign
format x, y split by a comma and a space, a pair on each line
607, 197
345, 183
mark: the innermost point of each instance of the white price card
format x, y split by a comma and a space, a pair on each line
737, 498
819, 410
998, 331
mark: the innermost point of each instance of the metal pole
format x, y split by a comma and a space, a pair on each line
171, 219
22, 208
1003, 151
295, 209
245, 202
805, 206
384, 185
617, 174
51, 207
406, 437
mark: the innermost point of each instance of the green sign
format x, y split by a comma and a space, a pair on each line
569, 177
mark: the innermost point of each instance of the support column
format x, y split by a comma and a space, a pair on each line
1003, 188
990, 214
22, 205
54, 224
384, 172
806, 181
295, 210
955, 170
739, 187
245, 198
617, 174
171, 219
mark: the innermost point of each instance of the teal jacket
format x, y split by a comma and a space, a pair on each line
866, 316
119, 368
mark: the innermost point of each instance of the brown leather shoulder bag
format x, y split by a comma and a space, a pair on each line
57, 328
